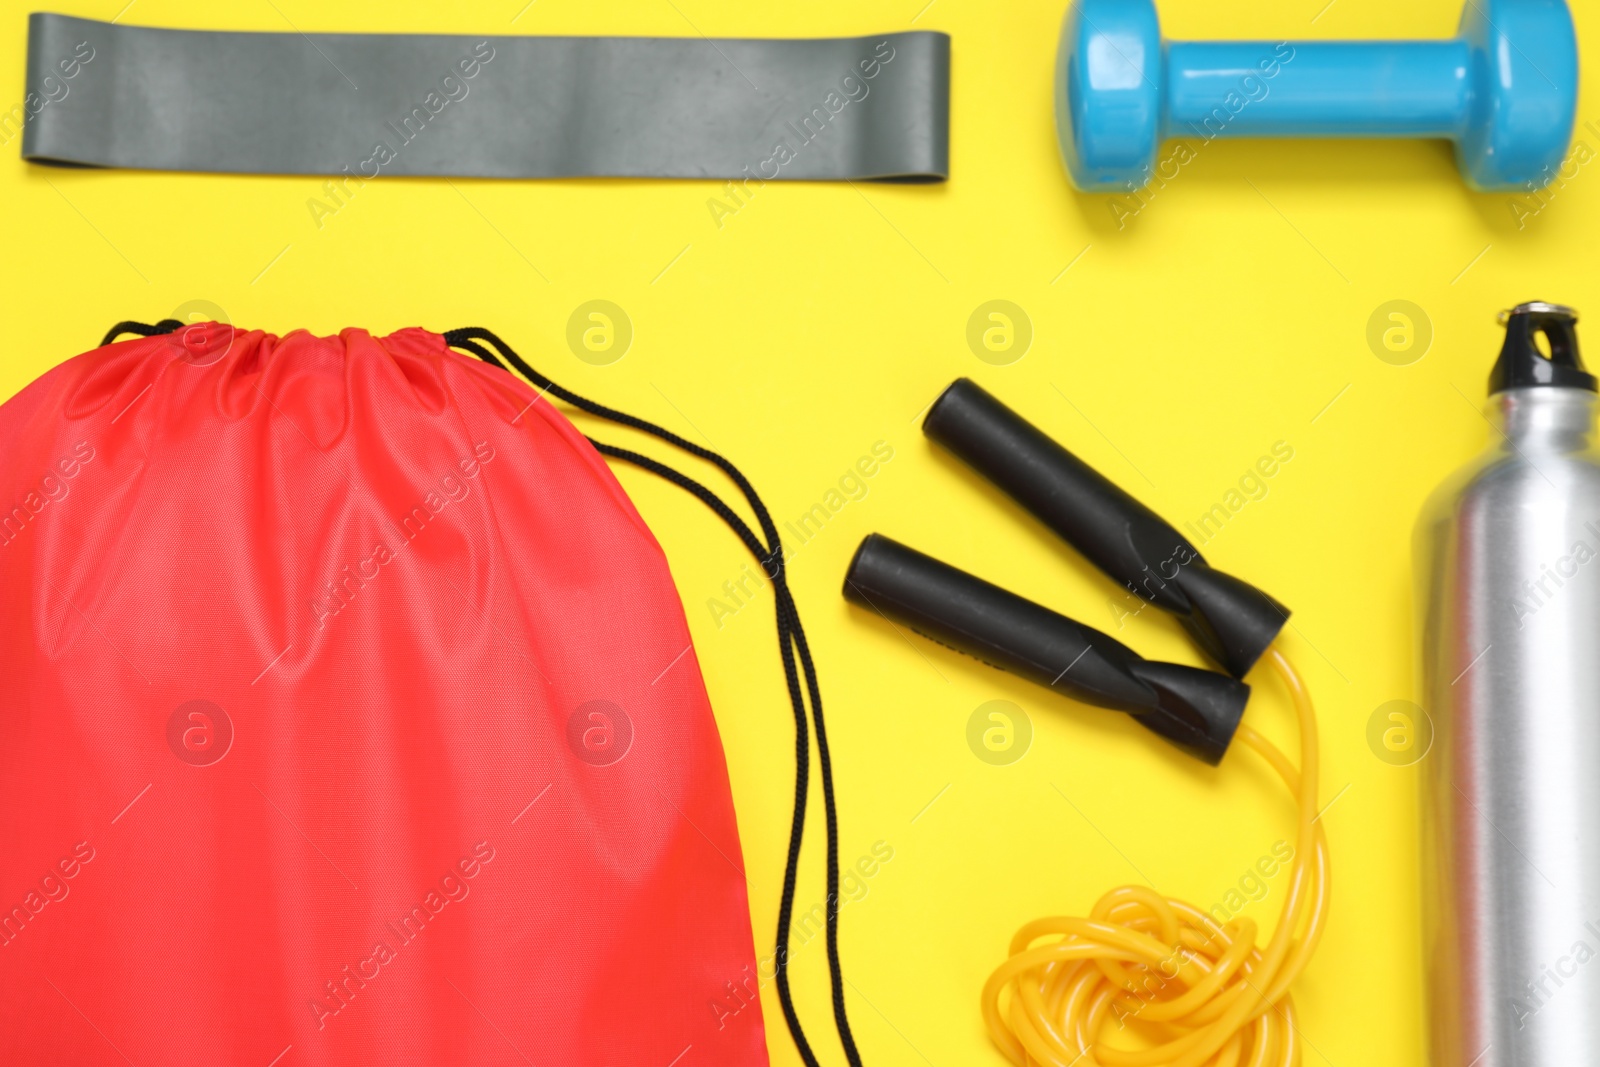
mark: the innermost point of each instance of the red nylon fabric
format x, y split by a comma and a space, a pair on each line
350, 718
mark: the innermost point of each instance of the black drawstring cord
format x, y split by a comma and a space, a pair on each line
792, 644
143, 330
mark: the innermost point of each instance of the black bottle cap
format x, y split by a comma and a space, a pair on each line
1522, 364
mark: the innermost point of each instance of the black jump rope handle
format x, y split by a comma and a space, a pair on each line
1197, 710
1232, 621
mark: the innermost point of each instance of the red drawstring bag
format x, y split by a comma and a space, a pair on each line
351, 719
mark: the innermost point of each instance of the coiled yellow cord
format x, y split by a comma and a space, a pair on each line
1200, 993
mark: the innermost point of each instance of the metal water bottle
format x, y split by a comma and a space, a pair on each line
1509, 596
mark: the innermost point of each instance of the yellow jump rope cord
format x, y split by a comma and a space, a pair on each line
1201, 993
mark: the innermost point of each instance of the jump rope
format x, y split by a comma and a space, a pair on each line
1197, 992
1202, 991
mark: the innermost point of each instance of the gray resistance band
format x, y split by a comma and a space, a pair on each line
105, 95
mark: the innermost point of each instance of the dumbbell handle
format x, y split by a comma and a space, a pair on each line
1414, 89
1504, 90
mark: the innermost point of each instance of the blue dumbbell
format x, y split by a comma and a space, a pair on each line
1505, 90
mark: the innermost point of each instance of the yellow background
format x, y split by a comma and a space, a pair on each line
1230, 314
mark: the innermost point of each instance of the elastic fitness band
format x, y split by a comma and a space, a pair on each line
356, 106
1202, 992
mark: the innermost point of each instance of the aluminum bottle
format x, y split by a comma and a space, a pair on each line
1509, 597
